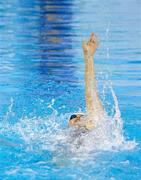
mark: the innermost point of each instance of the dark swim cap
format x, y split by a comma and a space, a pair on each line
73, 116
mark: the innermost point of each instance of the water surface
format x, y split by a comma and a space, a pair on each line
41, 84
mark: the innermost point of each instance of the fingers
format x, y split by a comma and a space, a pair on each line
92, 37
92, 44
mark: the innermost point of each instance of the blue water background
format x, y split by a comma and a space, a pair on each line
41, 63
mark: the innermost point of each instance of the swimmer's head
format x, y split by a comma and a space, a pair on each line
75, 119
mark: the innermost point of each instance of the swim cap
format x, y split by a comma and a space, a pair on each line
73, 116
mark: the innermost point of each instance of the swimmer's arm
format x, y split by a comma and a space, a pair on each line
93, 103
92, 98
90, 84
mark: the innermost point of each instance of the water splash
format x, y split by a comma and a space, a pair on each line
107, 39
49, 134
9, 111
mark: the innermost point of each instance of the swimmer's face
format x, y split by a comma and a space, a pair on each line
74, 119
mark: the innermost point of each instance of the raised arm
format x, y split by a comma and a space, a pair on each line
93, 104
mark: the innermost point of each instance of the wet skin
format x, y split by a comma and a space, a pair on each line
93, 104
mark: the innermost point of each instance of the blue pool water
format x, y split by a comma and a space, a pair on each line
41, 84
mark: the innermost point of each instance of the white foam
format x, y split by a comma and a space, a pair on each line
48, 133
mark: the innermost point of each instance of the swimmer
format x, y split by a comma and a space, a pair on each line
94, 107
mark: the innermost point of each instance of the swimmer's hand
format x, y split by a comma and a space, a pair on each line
90, 47
89, 125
